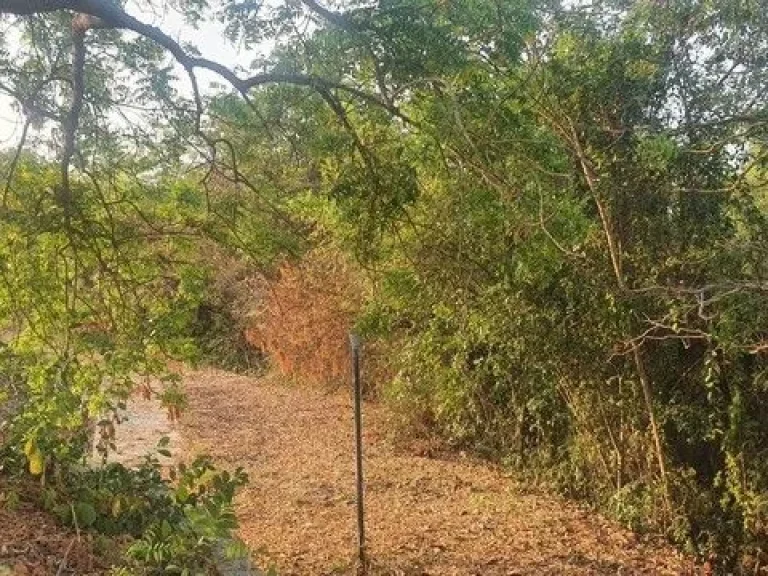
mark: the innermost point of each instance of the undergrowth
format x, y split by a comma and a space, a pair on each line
175, 521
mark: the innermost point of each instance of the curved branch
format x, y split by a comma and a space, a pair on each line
105, 14
336, 18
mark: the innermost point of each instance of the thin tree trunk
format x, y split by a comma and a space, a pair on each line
647, 388
615, 252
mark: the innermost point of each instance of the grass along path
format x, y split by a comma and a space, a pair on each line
424, 516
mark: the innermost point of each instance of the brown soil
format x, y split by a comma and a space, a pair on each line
32, 543
424, 516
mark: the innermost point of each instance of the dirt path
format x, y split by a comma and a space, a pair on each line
144, 423
424, 516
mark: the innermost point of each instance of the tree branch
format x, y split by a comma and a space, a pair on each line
79, 27
109, 15
15, 160
335, 18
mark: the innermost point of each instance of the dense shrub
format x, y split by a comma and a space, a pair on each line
222, 320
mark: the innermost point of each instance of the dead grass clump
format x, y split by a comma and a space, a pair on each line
305, 317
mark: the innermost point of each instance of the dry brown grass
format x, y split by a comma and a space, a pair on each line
305, 316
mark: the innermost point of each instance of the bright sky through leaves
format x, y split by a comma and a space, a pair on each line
208, 37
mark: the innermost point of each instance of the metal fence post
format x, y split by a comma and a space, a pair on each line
354, 342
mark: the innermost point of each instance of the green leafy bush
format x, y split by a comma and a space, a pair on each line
175, 519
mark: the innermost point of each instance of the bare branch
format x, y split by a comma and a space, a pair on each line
198, 99
15, 159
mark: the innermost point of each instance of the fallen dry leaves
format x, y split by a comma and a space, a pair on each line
424, 516
32, 543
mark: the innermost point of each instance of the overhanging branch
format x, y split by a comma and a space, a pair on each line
111, 15
108, 14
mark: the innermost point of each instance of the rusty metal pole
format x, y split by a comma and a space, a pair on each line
354, 343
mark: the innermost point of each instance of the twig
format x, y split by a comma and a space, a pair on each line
63, 563
15, 160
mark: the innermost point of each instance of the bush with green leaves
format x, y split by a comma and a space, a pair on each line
175, 519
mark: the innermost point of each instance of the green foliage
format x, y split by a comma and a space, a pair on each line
566, 232
91, 302
560, 208
175, 520
86, 303
182, 538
